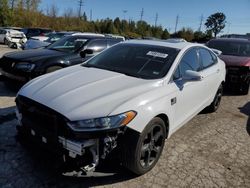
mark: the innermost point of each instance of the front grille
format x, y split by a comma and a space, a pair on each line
39, 117
237, 70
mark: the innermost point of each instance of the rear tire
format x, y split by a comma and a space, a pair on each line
213, 107
53, 68
140, 152
6, 41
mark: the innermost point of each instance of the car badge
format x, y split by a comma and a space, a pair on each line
13, 64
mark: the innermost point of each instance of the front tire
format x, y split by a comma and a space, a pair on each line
244, 88
140, 152
6, 41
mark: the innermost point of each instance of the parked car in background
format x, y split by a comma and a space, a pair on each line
131, 96
27, 64
175, 40
10, 36
13, 28
236, 55
35, 43
31, 32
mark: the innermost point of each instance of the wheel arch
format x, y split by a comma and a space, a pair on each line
165, 118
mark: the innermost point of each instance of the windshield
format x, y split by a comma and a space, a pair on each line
68, 44
137, 60
235, 48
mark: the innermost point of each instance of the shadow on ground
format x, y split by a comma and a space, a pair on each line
7, 91
246, 110
7, 114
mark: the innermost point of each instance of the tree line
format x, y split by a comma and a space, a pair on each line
26, 13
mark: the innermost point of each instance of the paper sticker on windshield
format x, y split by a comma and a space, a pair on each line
157, 54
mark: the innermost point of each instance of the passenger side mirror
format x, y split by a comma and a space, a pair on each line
190, 76
84, 52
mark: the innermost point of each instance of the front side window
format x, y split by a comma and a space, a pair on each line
206, 58
137, 60
188, 62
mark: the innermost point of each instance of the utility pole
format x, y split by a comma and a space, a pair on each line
80, 8
124, 12
142, 14
229, 25
90, 16
201, 21
176, 23
156, 19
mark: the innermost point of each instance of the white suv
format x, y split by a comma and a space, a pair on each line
131, 96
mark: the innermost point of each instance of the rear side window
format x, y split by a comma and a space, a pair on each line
206, 58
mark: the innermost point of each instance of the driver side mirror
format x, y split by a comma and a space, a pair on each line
86, 51
190, 76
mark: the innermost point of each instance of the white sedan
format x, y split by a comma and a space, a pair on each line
131, 97
8, 36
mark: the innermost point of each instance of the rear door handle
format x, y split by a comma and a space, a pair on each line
218, 70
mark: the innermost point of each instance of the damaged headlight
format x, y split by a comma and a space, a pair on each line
27, 67
103, 123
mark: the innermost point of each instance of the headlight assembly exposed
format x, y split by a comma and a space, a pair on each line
103, 123
27, 67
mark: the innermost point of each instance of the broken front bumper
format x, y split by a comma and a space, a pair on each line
84, 154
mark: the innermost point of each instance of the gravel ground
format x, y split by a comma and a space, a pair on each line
212, 150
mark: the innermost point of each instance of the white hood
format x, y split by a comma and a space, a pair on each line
81, 93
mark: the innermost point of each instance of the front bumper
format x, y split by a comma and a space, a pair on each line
12, 76
237, 75
84, 149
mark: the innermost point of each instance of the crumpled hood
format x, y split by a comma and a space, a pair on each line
34, 55
80, 93
235, 60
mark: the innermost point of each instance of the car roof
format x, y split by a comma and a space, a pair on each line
179, 45
231, 40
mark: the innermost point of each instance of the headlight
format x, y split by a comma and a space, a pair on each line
103, 123
27, 67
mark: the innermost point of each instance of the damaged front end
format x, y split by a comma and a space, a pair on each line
81, 151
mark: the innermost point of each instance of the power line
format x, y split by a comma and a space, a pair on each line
176, 23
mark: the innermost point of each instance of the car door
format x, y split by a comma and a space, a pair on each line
210, 72
188, 95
